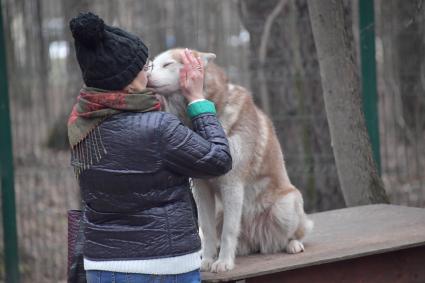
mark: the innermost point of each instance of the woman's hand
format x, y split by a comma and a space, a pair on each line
191, 77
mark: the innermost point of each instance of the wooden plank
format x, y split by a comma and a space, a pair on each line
403, 266
339, 235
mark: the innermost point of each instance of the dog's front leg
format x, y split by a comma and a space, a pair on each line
232, 197
205, 201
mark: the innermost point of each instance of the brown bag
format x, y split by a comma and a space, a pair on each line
76, 272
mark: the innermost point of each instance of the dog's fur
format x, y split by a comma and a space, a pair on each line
254, 207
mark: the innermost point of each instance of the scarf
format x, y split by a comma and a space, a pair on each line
92, 107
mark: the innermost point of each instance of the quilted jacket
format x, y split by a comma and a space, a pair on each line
137, 198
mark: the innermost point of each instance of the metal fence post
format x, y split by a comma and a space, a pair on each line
368, 75
6, 172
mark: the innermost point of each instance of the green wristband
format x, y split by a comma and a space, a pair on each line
200, 107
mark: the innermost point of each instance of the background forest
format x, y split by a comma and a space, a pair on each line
265, 46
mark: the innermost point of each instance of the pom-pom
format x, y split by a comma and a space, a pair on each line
88, 29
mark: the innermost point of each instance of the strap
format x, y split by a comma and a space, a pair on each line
76, 272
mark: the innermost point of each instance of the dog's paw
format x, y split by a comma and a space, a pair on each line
222, 265
294, 247
206, 264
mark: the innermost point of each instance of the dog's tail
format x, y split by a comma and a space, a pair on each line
305, 226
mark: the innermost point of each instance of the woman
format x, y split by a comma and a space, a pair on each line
133, 162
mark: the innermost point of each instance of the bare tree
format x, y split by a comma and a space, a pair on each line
58, 135
403, 34
285, 82
357, 172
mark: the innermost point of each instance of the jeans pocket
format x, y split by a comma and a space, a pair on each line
135, 278
93, 276
190, 277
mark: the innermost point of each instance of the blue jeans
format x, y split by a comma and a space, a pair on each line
95, 276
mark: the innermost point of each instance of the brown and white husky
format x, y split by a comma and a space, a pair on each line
254, 207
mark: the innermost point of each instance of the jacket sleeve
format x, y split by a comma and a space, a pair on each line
201, 153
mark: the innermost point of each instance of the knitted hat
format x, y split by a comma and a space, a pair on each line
109, 57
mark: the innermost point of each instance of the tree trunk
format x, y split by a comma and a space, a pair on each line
58, 133
411, 41
285, 82
403, 41
357, 172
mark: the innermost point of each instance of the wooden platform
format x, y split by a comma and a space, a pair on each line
376, 243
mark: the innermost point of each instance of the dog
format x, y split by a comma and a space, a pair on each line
254, 207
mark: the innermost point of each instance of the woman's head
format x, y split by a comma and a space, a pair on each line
140, 81
109, 57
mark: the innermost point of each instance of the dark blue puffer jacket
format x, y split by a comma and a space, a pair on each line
138, 203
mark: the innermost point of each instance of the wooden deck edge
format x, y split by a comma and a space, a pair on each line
309, 264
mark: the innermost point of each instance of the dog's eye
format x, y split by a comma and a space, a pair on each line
167, 64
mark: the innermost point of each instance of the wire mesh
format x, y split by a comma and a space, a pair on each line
44, 81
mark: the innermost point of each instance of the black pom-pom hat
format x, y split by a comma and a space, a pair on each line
109, 57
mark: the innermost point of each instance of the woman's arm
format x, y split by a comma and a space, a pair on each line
204, 152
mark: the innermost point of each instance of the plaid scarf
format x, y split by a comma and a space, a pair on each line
92, 107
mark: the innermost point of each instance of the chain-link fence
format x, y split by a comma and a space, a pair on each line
45, 79
401, 84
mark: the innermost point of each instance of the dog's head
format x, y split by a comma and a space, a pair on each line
164, 77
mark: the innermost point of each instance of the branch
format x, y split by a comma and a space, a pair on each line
262, 54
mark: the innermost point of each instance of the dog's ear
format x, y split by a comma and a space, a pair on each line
207, 57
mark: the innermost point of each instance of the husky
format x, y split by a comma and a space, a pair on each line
254, 207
